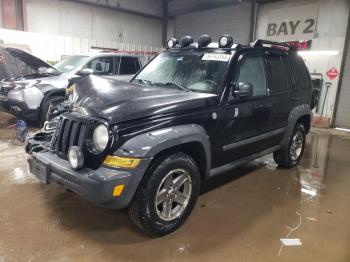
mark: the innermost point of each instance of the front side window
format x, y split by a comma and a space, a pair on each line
101, 65
252, 71
191, 71
129, 66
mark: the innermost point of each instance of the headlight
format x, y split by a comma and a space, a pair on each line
20, 86
100, 137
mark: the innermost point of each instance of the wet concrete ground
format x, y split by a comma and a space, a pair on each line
240, 216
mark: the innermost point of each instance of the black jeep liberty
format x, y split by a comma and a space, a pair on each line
193, 112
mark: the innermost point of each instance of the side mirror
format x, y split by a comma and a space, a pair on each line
85, 71
244, 90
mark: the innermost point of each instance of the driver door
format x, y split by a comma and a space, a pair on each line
247, 118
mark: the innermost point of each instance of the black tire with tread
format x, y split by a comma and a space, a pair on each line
141, 209
45, 107
282, 156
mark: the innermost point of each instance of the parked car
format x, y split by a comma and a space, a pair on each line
195, 111
30, 96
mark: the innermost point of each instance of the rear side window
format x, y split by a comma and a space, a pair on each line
129, 65
252, 71
281, 78
301, 72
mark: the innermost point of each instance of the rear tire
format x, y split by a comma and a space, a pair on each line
47, 108
290, 155
166, 195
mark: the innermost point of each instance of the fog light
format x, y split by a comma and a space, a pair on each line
75, 157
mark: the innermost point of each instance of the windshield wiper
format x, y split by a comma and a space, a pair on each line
143, 81
50, 73
173, 84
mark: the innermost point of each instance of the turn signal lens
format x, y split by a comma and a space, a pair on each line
117, 161
117, 191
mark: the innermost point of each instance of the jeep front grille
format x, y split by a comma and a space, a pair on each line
70, 132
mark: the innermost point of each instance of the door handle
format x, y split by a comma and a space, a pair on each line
294, 98
262, 106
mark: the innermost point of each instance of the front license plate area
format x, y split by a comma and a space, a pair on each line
39, 169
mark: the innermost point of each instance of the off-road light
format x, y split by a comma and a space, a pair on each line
75, 157
100, 137
172, 42
186, 41
225, 41
204, 40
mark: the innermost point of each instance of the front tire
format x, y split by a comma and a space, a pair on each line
167, 194
48, 107
289, 156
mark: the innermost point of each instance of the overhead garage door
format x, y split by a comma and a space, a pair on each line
343, 112
233, 20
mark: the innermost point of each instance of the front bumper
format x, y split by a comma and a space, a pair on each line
94, 185
18, 108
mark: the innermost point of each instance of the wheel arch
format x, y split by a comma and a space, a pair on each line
194, 149
305, 120
299, 114
189, 139
51, 93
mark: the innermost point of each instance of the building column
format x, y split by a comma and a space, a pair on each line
165, 22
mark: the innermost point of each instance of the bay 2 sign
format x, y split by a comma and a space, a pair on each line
294, 23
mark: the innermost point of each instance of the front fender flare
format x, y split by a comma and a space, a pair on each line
148, 145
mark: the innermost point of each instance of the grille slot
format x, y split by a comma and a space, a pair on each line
4, 90
71, 132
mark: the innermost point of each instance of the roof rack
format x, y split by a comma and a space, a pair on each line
271, 44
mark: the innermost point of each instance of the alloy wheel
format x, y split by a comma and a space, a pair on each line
173, 194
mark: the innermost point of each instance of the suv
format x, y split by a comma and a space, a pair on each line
31, 96
193, 112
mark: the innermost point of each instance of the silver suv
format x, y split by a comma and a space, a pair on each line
30, 95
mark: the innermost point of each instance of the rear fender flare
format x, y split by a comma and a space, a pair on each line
295, 114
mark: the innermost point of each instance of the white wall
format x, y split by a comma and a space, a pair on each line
84, 21
233, 20
332, 16
51, 47
150, 7
0, 14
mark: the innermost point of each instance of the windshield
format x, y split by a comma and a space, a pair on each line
71, 63
192, 71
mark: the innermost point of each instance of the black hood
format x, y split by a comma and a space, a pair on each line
118, 101
15, 62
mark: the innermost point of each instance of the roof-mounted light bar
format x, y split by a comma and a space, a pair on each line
225, 41
204, 41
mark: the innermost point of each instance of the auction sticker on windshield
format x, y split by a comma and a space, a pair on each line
216, 57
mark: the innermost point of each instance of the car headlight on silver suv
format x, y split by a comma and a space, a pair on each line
100, 137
